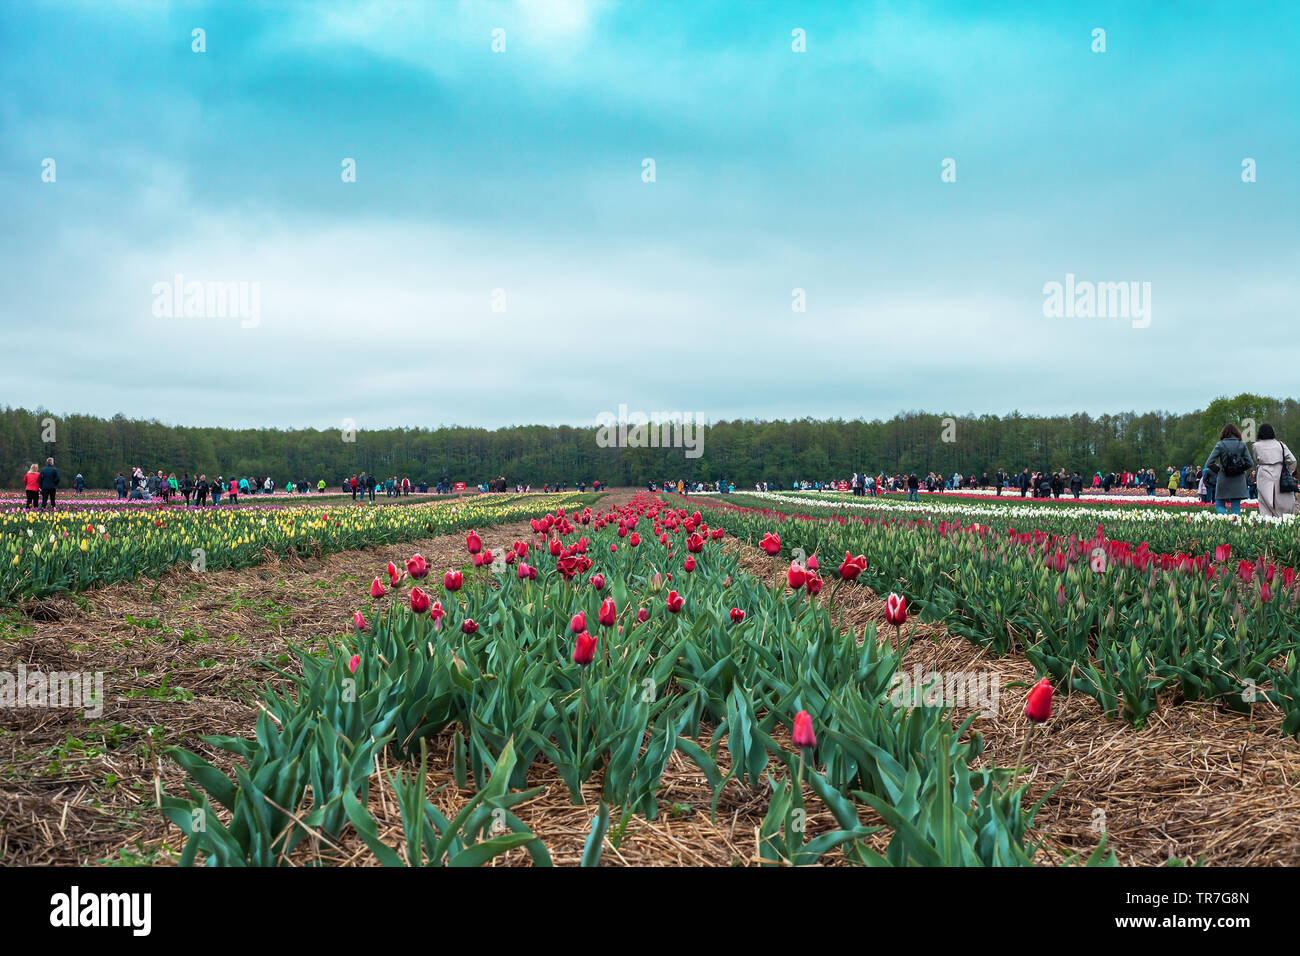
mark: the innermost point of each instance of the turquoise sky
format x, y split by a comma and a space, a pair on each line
521, 171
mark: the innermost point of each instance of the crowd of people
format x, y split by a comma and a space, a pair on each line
1231, 474
199, 491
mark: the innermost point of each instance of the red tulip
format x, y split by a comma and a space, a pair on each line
419, 600
689, 565
437, 613
803, 735
377, 589
354, 663
1265, 595
584, 649
796, 575
1038, 704
812, 562
851, 567
468, 626
737, 615
633, 539
895, 610
359, 622
597, 581
675, 601
813, 584
578, 623
452, 580
416, 566
608, 612
695, 544
524, 572
642, 616
473, 543
771, 544
1245, 571
393, 575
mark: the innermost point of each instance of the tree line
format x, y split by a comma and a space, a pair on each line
741, 451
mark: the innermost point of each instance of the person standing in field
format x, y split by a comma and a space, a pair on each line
1233, 458
49, 483
201, 491
1205, 487
32, 484
1275, 474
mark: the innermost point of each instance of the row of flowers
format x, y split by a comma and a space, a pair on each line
1118, 621
43, 553
610, 640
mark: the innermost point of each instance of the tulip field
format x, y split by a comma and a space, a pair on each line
610, 642
460, 676
44, 553
1193, 610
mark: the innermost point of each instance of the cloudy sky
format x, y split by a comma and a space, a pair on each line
501, 258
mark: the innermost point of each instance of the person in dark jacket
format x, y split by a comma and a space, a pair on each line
1209, 478
79, 484
1025, 481
49, 482
1235, 462
1076, 485
120, 484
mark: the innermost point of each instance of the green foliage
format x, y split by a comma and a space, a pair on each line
746, 451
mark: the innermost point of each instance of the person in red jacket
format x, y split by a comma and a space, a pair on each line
32, 482
234, 491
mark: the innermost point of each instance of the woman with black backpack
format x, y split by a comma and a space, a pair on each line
1275, 474
1233, 459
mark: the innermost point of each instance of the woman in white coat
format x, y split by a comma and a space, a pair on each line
1272, 457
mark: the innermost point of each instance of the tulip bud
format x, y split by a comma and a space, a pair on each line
896, 610
1038, 703
584, 649
608, 612
803, 734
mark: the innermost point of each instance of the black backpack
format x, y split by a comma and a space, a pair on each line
1233, 462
